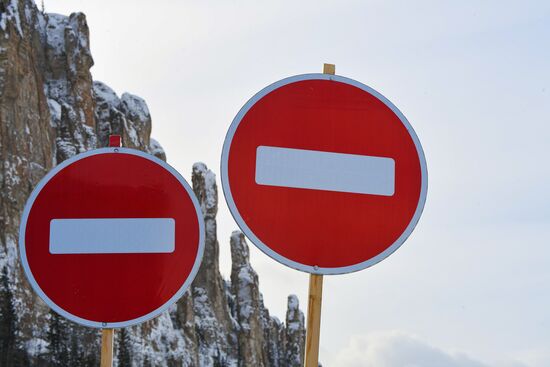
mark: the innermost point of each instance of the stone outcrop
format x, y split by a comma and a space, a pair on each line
295, 333
50, 110
249, 308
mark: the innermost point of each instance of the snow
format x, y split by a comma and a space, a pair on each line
211, 191
41, 23
295, 325
210, 188
11, 178
73, 20
131, 131
200, 167
91, 138
293, 303
246, 282
67, 148
246, 276
236, 236
55, 112
57, 89
11, 13
168, 341
55, 32
202, 307
15, 9
28, 13
211, 201
276, 320
8, 257
136, 106
36, 346
295, 317
106, 94
155, 148
206, 322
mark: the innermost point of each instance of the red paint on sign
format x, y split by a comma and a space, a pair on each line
303, 228
119, 289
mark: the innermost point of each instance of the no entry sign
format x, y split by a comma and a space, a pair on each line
111, 237
323, 174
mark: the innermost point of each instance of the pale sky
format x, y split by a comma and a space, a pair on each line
470, 288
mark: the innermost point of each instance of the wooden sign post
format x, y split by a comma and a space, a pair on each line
313, 328
107, 341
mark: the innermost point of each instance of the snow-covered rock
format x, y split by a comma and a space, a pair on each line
248, 305
295, 333
50, 110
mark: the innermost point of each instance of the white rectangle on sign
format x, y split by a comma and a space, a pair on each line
112, 235
317, 170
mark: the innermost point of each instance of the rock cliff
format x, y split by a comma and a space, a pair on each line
50, 110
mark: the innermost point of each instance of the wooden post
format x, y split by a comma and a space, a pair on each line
108, 335
329, 69
313, 328
107, 339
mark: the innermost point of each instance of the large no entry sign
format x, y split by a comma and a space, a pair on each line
323, 174
111, 237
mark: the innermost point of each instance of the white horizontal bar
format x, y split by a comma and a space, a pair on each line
311, 169
112, 235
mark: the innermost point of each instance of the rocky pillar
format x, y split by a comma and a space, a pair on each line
295, 334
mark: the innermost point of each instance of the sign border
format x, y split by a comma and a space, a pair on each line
99, 324
250, 234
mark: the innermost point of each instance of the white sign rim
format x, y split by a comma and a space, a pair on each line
266, 249
99, 324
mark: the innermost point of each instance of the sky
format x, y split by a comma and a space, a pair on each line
470, 287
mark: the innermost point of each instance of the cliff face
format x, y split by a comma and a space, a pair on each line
50, 110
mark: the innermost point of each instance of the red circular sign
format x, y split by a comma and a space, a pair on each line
111, 237
323, 174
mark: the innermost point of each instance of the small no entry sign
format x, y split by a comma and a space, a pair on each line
111, 237
323, 174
